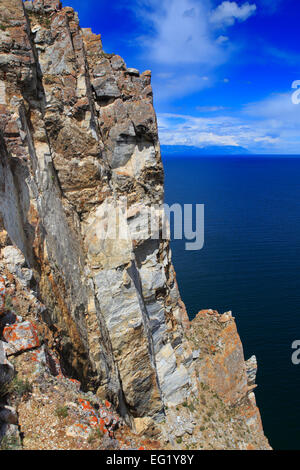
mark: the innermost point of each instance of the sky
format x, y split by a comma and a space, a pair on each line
222, 71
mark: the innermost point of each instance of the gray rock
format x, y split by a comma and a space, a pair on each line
251, 369
117, 63
106, 88
132, 71
8, 415
6, 368
196, 354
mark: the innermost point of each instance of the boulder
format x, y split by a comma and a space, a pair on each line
20, 337
251, 369
6, 368
8, 415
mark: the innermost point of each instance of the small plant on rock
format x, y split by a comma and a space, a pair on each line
21, 388
95, 435
62, 412
10, 443
5, 390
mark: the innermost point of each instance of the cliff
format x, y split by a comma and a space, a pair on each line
93, 327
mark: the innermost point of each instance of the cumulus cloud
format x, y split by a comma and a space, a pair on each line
180, 32
184, 40
186, 31
228, 12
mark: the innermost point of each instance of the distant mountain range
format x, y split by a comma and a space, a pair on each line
180, 150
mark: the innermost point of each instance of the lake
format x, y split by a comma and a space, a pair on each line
250, 264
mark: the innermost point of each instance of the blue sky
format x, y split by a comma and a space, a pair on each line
222, 71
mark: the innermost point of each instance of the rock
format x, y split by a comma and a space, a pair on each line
117, 63
78, 430
132, 71
196, 354
141, 425
226, 317
20, 337
2, 295
6, 368
15, 262
8, 415
13, 258
106, 88
251, 369
221, 365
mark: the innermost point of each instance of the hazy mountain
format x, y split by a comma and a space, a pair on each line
180, 150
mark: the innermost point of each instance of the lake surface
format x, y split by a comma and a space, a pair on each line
250, 264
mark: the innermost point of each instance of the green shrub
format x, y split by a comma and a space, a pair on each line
191, 407
21, 387
10, 443
95, 435
5, 390
8, 304
62, 411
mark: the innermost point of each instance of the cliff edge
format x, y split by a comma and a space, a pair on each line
93, 327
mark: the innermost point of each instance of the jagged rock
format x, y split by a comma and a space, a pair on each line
133, 71
251, 369
141, 425
20, 337
221, 363
106, 88
15, 262
2, 295
196, 354
6, 368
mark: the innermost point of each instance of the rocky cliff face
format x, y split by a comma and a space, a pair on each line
78, 133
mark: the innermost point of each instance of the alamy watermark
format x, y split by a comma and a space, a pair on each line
296, 93
137, 222
296, 353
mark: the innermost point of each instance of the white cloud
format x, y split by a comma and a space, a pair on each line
221, 39
269, 126
180, 32
228, 12
180, 40
185, 31
209, 109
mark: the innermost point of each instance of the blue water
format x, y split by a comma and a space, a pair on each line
250, 264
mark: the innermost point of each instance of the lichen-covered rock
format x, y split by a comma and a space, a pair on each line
20, 337
221, 364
